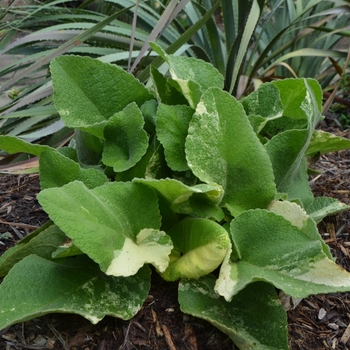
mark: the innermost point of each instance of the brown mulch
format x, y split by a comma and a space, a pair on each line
318, 322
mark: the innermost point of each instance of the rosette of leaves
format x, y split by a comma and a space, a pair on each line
182, 177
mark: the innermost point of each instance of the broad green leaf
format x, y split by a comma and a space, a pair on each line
286, 151
324, 206
172, 127
74, 285
157, 167
265, 102
193, 76
222, 148
258, 122
126, 141
43, 245
88, 92
301, 100
271, 249
149, 113
11, 144
168, 92
262, 106
184, 199
89, 148
202, 245
298, 217
324, 142
113, 220
254, 319
57, 170
140, 168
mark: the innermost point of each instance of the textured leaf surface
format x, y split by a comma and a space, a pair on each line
69, 286
203, 244
11, 144
105, 221
324, 206
184, 199
265, 102
88, 92
222, 148
298, 217
172, 127
324, 142
270, 248
57, 170
254, 319
301, 100
193, 76
126, 141
167, 90
43, 245
286, 151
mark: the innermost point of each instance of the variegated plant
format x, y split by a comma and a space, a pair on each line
207, 189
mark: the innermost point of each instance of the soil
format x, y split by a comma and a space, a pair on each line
318, 322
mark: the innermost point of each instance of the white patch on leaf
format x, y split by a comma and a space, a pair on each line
296, 215
201, 109
326, 272
146, 249
225, 284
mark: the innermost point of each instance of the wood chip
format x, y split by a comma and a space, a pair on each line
344, 250
168, 338
346, 335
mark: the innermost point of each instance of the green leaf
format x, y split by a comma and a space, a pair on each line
222, 148
244, 319
301, 100
298, 217
126, 141
88, 92
324, 142
270, 248
324, 206
265, 101
89, 148
149, 113
11, 144
74, 285
202, 244
184, 199
286, 151
192, 75
263, 105
43, 245
168, 92
110, 223
57, 170
140, 169
172, 127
